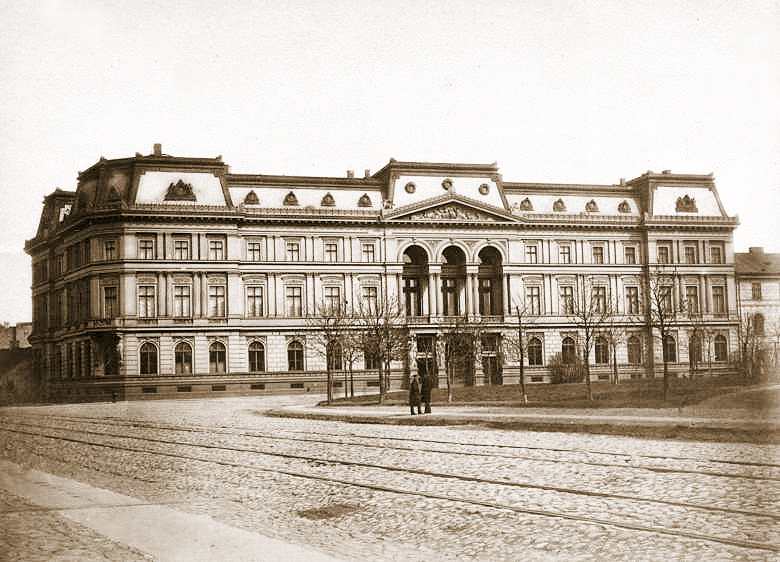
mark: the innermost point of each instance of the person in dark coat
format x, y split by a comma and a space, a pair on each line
414, 394
425, 393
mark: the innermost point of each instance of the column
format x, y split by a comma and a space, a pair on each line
506, 290
196, 313
204, 294
431, 292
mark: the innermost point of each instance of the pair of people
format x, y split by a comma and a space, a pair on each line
420, 393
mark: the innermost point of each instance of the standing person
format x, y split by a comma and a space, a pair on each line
414, 394
425, 392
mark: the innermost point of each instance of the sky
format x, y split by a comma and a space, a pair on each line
553, 91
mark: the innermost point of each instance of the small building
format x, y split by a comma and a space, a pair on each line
171, 276
758, 298
16, 337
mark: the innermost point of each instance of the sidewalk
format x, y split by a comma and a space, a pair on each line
152, 530
686, 423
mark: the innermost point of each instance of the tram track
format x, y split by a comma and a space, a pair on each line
480, 449
96, 436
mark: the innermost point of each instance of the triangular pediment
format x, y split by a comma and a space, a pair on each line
451, 208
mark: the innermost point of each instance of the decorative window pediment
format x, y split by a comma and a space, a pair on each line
290, 199
624, 207
559, 205
591, 206
686, 204
525, 205
328, 201
180, 191
251, 198
364, 201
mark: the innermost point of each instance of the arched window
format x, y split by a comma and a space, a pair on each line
758, 324
148, 359
217, 358
602, 350
295, 356
721, 348
535, 352
568, 350
670, 350
183, 357
694, 350
256, 357
634, 351
334, 356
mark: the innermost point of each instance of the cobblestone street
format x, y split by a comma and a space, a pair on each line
388, 492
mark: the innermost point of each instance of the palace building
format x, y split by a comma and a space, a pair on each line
172, 276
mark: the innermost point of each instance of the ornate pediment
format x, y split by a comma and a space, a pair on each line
686, 204
451, 211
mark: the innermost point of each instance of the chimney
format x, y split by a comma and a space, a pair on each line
667, 172
350, 173
622, 181
757, 251
368, 173
158, 149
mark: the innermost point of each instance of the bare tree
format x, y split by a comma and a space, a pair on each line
460, 343
615, 334
328, 327
384, 336
515, 346
591, 314
663, 311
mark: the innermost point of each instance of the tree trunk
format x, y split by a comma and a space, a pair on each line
666, 379
614, 365
587, 378
330, 384
522, 376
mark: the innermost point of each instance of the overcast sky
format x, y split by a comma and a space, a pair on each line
571, 92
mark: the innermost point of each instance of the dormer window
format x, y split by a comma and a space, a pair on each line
624, 207
591, 206
290, 200
328, 201
525, 205
559, 206
251, 199
180, 191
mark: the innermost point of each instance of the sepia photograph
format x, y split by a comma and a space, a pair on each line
339, 280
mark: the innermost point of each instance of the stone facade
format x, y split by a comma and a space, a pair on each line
758, 297
168, 273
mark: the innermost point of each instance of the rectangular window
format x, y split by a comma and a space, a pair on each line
565, 254
413, 296
371, 298
369, 252
332, 297
630, 254
665, 294
486, 296
181, 249
146, 301
253, 251
254, 301
692, 298
756, 291
110, 301
216, 301
598, 254
293, 251
216, 249
567, 300
294, 297
331, 252
599, 299
663, 254
533, 300
719, 300
716, 254
531, 255
110, 251
181, 301
632, 300
146, 248
690, 254
450, 300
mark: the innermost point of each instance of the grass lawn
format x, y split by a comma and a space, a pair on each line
637, 393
